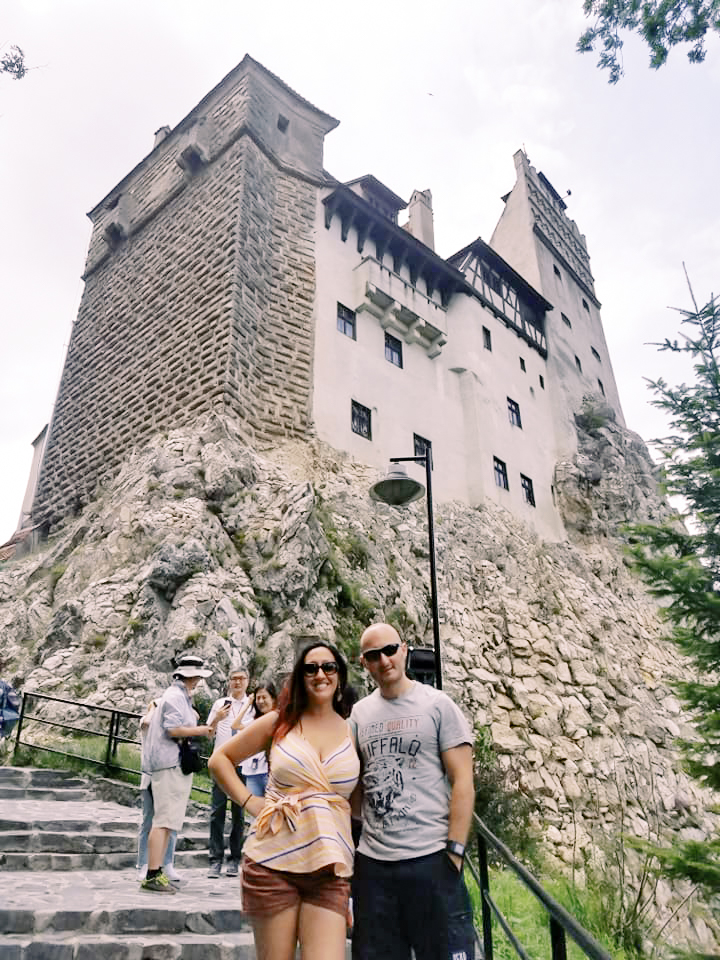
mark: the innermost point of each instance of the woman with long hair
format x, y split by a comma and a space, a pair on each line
255, 769
298, 855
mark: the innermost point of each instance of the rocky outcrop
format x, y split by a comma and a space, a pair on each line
555, 647
610, 481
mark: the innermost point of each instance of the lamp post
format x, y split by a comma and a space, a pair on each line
398, 490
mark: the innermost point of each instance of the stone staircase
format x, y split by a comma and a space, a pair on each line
69, 889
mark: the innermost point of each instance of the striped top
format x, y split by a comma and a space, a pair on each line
305, 823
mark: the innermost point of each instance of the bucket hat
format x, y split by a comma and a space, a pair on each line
189, 665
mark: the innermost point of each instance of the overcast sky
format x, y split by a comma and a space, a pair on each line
427, 95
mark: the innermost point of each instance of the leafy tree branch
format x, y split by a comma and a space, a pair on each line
662, 24
13, 63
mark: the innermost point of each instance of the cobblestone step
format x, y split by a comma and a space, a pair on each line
71, 891
67, 841
194, 828
139, 913
20, 792
39, 777
185, 946
93, 861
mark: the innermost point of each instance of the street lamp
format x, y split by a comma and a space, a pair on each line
398, 489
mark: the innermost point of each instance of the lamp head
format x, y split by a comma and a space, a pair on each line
397, 489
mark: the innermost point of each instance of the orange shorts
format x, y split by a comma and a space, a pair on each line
266, 891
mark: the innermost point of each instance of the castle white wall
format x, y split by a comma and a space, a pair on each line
517, 240
457, 400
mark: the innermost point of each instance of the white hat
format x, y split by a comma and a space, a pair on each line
190, 666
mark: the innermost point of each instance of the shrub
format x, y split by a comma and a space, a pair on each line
505, 810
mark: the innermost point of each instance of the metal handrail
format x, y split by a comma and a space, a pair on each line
560, 921
113, 735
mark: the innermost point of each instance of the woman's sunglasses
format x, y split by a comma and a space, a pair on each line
373, 656
328, 668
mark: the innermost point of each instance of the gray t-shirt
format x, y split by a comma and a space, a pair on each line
405, 791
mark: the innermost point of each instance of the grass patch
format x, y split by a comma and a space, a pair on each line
529, 921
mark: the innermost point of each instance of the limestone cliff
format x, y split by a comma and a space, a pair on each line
203, 543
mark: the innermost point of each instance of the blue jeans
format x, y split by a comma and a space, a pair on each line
420, 904
256, 783
218, 806
148, 811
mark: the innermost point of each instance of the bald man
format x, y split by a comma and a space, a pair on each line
415, 748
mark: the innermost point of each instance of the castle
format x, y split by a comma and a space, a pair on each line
229, 271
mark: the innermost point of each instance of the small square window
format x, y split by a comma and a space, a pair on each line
360, 420
527, 490
393, 350
522, 364
423, 447
346, 322
501, 477
541, 378
594, 352
487, 339
602, 388
585, 305
578, 364
566, 321
556, 271
514, 413
282, 123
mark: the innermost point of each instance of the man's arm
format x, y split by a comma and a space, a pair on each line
180, 730
458, 765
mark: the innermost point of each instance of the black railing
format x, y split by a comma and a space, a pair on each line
561, 923
111, 733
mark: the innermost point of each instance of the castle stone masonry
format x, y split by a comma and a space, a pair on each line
228, 271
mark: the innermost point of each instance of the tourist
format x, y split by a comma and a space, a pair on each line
173, 720
148, 810
255, 769
298, 854
234, 708
415, 748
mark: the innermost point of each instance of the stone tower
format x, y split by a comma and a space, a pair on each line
538, 238
199, 287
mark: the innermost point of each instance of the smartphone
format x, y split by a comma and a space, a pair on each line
227, 703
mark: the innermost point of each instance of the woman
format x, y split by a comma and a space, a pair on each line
255, 769
298, 855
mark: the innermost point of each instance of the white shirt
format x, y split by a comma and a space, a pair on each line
224, 730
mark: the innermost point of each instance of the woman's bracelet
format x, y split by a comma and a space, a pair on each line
242, 805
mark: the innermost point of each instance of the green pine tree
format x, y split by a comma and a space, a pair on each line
681, 564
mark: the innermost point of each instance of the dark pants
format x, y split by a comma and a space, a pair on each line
218, 805
402, 904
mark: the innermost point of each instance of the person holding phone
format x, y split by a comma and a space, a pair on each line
235, 707
298, 856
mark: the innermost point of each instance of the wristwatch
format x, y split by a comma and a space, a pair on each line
458, 849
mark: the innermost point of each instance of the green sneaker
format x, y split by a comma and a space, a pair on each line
157, 884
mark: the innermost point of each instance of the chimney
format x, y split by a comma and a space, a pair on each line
420, 222
160, 135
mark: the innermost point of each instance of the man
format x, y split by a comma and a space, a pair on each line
236, 709
172, 720
415, 748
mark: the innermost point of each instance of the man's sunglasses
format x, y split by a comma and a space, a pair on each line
328, 668
373, 656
